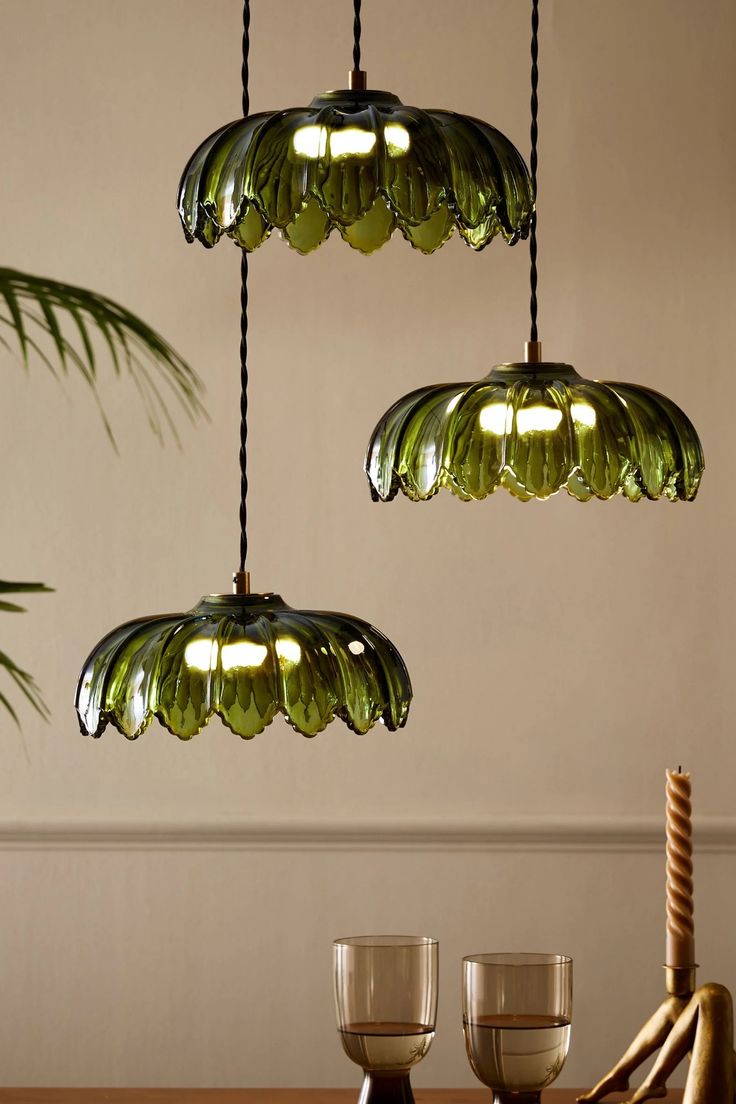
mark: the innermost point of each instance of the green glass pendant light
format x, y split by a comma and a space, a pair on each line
245, 657
363, 163
535, 427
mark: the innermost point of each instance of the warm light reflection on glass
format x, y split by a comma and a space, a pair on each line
225, 206
310, 141
357, 647
584, 414
351, 142
288, 650
137, 699
453, 403
397, 139
199, 655
429, 463
242, 653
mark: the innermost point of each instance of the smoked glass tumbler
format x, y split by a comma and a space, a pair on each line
386, 1002
517, 1010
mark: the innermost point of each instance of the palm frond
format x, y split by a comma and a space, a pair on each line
23, 680
7, 587
54, 321
69, 317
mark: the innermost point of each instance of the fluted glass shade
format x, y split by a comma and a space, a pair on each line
535, 430
245, 658
361, 163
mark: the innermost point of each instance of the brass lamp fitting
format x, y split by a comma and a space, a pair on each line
533, 352
241, 582
357, 80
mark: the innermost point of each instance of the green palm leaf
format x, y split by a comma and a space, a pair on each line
23, 680
67, 319
61, 324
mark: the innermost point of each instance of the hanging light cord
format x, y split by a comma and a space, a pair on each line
533, 167
244, 327
357, 31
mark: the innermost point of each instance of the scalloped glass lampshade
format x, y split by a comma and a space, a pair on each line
535, 429
245, 658
362, 163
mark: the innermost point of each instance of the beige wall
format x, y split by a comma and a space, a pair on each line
162, 921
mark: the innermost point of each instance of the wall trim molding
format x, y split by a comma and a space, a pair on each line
578, 834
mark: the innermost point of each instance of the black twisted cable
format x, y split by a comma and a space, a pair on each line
533, 306
244, 327
357, 31
243, 409
244, 72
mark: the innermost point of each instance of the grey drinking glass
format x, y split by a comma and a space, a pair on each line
517, 1010
386, 1002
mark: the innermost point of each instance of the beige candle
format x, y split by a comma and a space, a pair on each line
680, 925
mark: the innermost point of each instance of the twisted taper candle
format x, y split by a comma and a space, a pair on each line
680, 924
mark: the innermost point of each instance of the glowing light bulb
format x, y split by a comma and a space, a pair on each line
583, 413
242, 653
496, 417
351, 142
288, 650
310, 141
200, 655
397, 139
538, 419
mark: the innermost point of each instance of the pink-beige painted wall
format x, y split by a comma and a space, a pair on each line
562, 655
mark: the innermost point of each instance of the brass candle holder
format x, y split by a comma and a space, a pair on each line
698, 1021
692, 1020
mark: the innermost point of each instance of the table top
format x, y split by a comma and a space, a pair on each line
261, 1096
